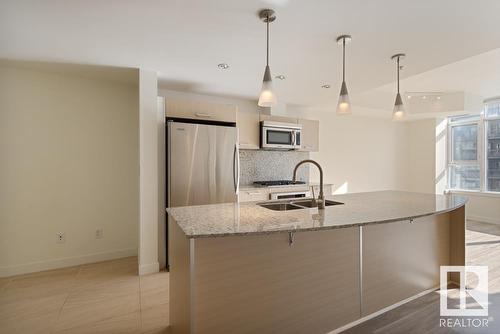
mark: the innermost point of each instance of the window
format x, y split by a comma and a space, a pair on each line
474, 150
492, 147
464, 167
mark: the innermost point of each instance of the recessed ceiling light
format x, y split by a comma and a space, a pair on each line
424, 97
326, 86
438, 98
409, 96
281, 77
223, 66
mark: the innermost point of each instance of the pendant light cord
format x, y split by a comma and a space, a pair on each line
343, 59
398, 73
267, 44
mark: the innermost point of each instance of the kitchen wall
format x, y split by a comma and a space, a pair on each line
422, 156
360, 153
69, 164
271, 165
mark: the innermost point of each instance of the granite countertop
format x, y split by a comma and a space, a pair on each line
217, 220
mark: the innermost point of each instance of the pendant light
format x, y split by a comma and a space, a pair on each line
267, 97
344, 105
399, 110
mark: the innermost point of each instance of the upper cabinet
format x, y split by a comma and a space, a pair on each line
248, 123
200, 110
310, 135
249, 130
284, 119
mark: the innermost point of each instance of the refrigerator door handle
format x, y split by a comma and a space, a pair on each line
237, 169
234, 168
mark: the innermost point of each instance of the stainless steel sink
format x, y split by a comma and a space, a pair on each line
280, 206
294, 204
309, 203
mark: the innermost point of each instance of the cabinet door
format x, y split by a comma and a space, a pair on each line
310, 135
248, 126
200, 110
284, 119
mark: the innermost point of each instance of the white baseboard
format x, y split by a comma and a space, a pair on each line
65, 262
376, 314
484, 219
149, 268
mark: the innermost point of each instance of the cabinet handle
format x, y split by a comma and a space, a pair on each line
253, 193
199, 114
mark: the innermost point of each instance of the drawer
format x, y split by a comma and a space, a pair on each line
253, 195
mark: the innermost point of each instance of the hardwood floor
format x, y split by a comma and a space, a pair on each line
109, 297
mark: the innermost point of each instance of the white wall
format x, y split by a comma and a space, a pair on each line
148, 139
360, 153
422, 156
483, 207
69, 150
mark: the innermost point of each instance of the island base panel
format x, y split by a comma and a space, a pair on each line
261, 284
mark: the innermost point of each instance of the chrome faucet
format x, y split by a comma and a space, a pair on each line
321, 197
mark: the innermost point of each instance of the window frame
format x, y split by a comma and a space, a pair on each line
485, 120
449, 149
482, 154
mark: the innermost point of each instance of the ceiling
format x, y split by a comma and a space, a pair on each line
184, 40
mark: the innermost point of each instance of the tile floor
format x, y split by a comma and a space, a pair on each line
109, 297
106, 297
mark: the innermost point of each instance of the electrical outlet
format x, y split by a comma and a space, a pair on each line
99, 233
60, 238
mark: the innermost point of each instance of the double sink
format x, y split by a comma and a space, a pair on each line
295, 204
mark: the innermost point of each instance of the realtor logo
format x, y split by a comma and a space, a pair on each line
475, 295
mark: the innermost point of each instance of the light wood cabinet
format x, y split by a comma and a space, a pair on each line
200, 110
284, 119
310, 135
253, 195
249, 131
249, 194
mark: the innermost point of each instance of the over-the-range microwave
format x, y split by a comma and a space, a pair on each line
280, 136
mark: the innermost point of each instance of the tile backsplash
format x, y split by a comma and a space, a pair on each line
261, 165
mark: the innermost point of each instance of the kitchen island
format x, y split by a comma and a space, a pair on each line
243, 268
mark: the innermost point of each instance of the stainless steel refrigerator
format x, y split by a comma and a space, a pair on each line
202, 163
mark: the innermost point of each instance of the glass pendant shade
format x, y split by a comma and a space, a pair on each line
399, 110
267, 97
344, 105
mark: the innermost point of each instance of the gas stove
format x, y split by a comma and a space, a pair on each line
277, 183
